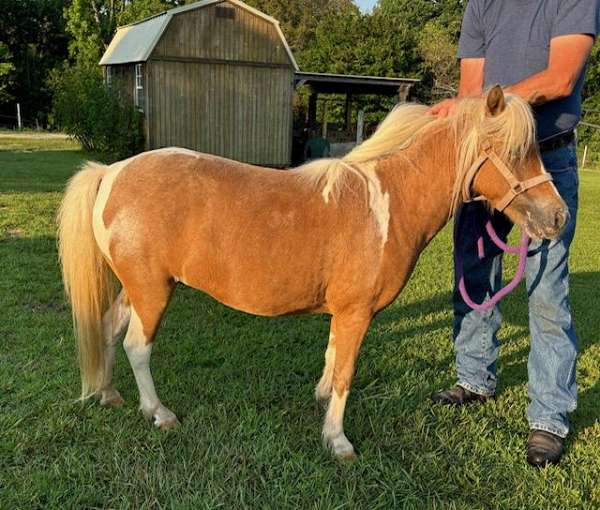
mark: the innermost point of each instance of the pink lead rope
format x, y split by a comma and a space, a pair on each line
521, 249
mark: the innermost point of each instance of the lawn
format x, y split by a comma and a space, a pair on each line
243, 389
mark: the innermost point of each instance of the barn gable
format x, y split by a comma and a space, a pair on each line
137, 42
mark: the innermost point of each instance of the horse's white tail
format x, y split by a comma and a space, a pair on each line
89, 282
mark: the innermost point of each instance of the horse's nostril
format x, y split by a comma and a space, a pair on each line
560, 218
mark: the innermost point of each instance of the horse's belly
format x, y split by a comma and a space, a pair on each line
258, 291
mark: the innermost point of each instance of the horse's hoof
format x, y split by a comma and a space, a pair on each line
165, 419
349, 456
167, 425
342, 448
111, 398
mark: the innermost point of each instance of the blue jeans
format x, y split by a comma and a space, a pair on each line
553, 350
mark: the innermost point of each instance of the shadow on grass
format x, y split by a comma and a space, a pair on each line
513, 366
39, 171
297, 344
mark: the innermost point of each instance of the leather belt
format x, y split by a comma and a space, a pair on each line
556, 142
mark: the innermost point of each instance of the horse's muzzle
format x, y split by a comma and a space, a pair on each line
547, 221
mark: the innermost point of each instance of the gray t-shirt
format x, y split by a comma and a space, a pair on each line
514, 38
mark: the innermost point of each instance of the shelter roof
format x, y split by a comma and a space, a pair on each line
352, 84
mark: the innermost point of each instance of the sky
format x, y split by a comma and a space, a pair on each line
366, 5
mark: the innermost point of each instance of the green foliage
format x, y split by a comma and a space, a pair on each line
34, 35
7, 69
91, 26
99, 117
141, 9
299, 18
92, 23
438, 48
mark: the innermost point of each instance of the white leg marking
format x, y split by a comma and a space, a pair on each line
323, 389
139, 353
333, 429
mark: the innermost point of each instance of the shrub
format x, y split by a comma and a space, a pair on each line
100, 118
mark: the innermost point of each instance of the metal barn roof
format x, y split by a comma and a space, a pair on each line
135, 42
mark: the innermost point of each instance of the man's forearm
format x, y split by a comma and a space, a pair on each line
566, 61
543, 87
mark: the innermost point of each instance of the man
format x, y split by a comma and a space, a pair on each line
536, 49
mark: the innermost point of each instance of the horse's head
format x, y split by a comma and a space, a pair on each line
508, 171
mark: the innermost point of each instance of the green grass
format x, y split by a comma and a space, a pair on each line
243, 388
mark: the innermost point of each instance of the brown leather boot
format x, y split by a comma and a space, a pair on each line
458, 396
544, 448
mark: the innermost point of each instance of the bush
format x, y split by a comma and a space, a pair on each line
100, 118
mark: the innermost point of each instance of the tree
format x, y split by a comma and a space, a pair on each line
7, 69
299, 19
33, 33
92, 23
438, 51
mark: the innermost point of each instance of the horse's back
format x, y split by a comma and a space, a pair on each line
257, 239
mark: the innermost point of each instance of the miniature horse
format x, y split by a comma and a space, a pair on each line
339, 237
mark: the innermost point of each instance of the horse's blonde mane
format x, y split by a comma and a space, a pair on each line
512, 132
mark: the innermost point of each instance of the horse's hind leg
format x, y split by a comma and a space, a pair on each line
350, 329
323, 389
113, 324
148, 305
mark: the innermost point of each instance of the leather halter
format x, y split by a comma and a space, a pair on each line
516, 187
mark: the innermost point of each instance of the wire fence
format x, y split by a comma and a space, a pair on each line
12, 122
588, 134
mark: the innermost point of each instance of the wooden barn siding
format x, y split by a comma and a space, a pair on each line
241, 112
201, 34
123, 79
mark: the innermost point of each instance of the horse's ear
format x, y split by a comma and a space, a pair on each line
495, 101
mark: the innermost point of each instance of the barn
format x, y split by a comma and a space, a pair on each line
214, 76
218, 76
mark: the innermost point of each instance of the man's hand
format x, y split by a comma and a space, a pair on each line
471, 84
443, 108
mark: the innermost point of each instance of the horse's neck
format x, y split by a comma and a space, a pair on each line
420, 181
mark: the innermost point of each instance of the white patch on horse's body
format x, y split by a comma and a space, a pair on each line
333, 429
101, 233
335, 172
138, 351
379, 203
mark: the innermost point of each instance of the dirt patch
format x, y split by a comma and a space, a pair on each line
14, 233
35, 136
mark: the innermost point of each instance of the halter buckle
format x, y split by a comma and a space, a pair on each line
518, 188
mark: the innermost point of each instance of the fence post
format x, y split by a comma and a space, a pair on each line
19, 121
359, 126
325, 112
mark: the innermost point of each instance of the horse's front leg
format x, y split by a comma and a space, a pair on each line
350, 329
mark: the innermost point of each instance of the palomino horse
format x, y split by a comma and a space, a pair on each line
335, 236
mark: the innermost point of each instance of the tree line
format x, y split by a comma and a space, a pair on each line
44, 42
